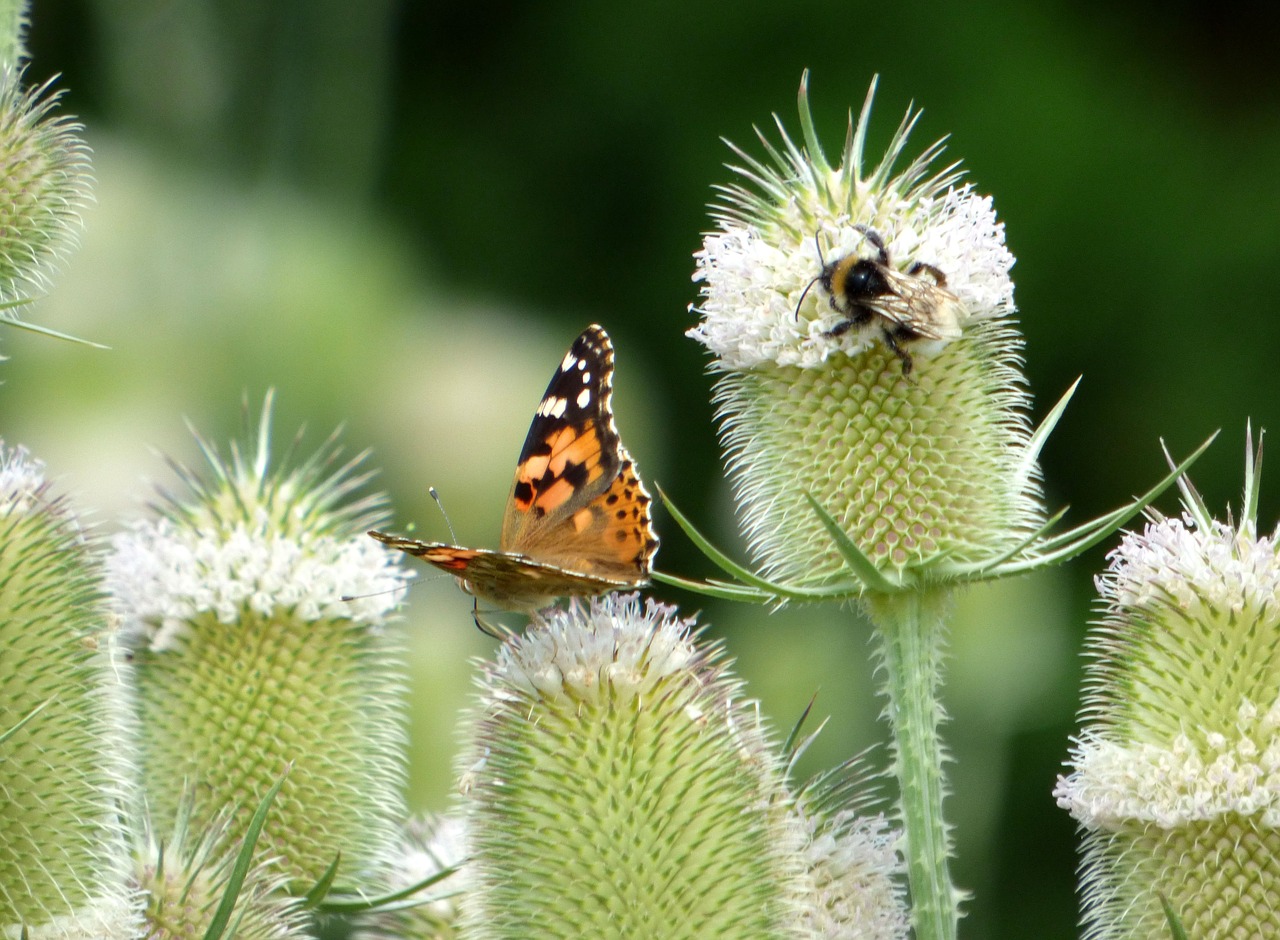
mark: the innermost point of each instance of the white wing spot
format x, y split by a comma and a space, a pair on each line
552, 407
586, 378
570, 360
584, 398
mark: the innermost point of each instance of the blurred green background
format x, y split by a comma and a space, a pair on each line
399, 214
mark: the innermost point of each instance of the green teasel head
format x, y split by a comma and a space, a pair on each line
65, 743
185, 874
860, 323
616, 782
45, 182
251, 663
1174, 776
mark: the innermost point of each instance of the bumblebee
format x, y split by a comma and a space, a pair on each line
906, 308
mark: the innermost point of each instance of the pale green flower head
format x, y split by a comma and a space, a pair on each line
65, 746
889, 389
185, 874
615, 784
430, 851
45, 182
232, 597
1176, 776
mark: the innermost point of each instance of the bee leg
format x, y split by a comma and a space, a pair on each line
858, 316
903, 356
877, 242
920, 267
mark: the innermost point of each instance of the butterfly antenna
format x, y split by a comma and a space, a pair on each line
823, 262
436, 496
347, 598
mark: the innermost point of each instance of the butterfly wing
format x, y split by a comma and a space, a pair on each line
577, 519
510, 582
577, 502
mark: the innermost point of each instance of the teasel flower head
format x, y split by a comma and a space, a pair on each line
855, 870
252, 666
1176, 776
45, 183
860, 325
64, 736
615, 783
430, 853
185, 874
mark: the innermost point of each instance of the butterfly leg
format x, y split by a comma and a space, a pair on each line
483, 624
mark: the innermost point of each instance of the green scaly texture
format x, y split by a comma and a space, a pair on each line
617, 814
919, 471
233, 707
61, 772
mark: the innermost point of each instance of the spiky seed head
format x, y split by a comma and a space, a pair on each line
428, 846
184, 874
922, 469
45, 182
1176, 776
616, 784
251, 666
857, 876
64, 737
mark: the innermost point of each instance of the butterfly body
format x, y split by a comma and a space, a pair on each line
577, 518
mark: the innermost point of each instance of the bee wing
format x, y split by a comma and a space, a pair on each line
920, 305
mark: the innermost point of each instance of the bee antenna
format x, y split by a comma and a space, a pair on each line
439, 502
805, 293
818, 245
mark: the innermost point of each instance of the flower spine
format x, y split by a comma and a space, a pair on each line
64, 738
1176, 777
250, 665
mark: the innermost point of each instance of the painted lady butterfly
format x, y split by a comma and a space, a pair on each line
577, 519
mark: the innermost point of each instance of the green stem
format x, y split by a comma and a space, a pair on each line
911, 627
13, 26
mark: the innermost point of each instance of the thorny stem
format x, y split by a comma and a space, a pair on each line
911, 628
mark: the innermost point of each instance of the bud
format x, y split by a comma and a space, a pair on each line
45, 181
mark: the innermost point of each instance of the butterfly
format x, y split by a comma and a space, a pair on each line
577, 519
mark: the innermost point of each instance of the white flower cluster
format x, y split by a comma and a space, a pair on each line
753, 279
853, 861
1176, 562
162, 574
22, 481
1179, 783
617, 643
